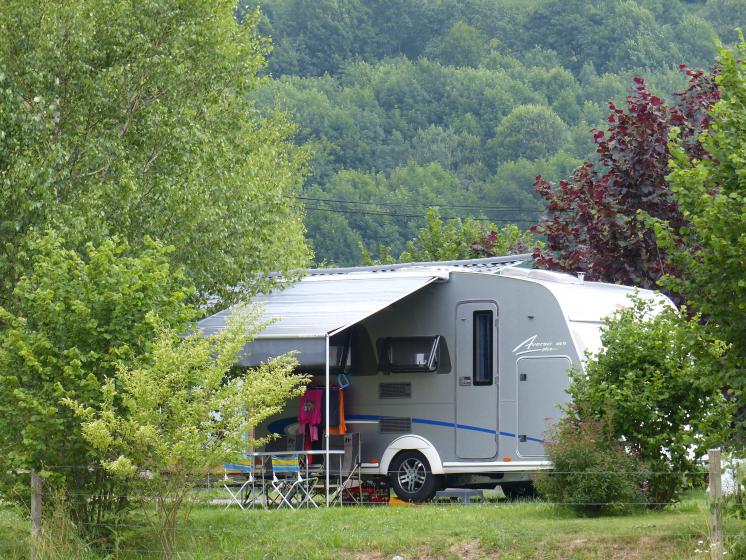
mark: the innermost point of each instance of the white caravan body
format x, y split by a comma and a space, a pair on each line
466, 362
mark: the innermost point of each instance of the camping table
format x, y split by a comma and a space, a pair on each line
308, 454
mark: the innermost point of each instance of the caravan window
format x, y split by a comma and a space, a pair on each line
483, 362
411, 354
340, 355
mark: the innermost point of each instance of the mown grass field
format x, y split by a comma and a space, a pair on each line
531, 530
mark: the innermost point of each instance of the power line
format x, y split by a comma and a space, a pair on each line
400, 205
418, 216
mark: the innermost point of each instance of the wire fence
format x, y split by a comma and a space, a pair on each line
213, 492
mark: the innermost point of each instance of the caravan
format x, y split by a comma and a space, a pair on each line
456, 370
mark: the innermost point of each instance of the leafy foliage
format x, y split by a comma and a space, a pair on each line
444, 240
652, 383
180, 413
597, 221
530, 132
612, 35
710, 192
77, 317
132, 119
593, 474
480, 87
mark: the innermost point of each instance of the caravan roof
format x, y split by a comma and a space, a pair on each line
328, 301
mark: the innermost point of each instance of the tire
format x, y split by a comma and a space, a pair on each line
518, 491
411, 477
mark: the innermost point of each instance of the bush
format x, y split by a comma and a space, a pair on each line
181, 412
593, 474
652, 384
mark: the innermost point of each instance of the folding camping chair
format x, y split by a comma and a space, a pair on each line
239, 475
287, 480
347, 471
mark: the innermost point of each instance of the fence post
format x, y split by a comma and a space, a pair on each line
36, 505
716, 494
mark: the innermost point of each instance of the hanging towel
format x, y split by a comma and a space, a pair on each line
341, 427
309, 412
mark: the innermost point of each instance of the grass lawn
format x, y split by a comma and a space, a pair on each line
505, 531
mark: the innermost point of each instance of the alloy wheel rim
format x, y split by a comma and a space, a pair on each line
412, 475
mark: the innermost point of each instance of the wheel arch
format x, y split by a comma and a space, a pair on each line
411, 443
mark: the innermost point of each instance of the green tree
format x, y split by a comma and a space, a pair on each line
696, 40
314, 38
725, 16
333, 240
652, 383
133, 119
435, 143
181, 412
463, 45
711, 194
445, 240
529, 132
615, 36
76, 318
432, 81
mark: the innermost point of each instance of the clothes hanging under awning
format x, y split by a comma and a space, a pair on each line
311, 409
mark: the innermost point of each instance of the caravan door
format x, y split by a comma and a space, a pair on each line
476, 380
542, 387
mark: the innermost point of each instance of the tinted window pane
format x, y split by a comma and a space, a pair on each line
483, 325
411, 354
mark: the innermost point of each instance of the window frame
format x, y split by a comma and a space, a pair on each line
343, 354
433, 362
491, 348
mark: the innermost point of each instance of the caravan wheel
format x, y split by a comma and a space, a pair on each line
411, 477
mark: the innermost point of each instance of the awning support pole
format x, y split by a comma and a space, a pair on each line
326, 430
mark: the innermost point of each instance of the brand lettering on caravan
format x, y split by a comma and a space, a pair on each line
530, 345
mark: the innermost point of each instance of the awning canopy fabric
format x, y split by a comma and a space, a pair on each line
306, 312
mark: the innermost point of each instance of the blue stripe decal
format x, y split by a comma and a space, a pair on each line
362, 417
452, 425
433, 422
278, 426
475, 429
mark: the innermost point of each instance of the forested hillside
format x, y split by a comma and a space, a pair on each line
459, 104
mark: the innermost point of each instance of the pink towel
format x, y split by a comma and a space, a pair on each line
309, 411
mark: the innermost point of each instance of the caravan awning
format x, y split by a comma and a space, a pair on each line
317, 306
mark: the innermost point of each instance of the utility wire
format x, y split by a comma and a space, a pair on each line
418, 216
400, 205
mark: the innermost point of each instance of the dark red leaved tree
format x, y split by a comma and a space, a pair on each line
594, 222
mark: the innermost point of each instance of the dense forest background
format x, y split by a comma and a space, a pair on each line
460, 104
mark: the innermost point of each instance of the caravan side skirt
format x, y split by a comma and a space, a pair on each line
495, 466
474, 467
